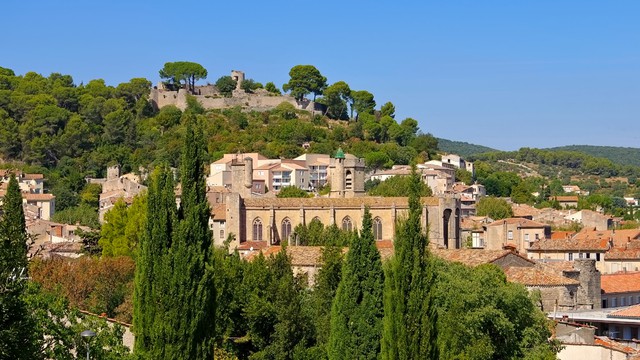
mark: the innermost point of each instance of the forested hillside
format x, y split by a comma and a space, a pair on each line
462, 148
619, 155
69, 131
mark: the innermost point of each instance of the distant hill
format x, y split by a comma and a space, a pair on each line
619, 155
461, 148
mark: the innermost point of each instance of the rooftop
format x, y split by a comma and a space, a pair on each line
370, 201
620, 283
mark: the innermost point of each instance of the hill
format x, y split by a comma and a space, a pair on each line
619, 155
461, 148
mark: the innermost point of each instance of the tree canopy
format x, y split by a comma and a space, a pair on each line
183, 71
305, 79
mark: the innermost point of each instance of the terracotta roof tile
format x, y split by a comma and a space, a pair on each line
253, 245
565, 198
570, 244
521, 222
559, 235
473, 257
620, 283
219, 212
522, 210
614, 345
537, 276
628, 312
622, 254
38, 197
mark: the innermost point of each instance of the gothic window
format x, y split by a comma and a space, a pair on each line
286, 229
377, 229
347, 224
257, 230
348, 180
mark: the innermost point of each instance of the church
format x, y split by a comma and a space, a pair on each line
259, 220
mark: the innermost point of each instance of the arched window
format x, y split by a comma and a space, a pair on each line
348, 180
286, 229
377, 229
315, 218
347, 224
257, 230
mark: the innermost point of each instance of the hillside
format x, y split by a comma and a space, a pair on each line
619, 155
461, 148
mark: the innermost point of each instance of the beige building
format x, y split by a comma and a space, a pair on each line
115, 187
517, 233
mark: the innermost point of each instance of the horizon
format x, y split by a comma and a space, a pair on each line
465, 71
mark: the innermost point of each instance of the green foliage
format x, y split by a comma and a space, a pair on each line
292, 192
363, 102
122, 228
249, 86
464, 176
305, 79
324, 291
388, 109
410, 317
336, 97
272, 88
357, 311
482, 316
175, 303
83, 214
619, 155
18, 334
398, 186
493, 207
316, 234
462, 148
226, 85
183, 71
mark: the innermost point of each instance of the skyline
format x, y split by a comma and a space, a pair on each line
497, 74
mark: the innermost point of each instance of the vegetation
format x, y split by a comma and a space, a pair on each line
493, 207
462, 148
183, 71
292, 192
410, 315
305, 79
619, 155
226, 85
396, 186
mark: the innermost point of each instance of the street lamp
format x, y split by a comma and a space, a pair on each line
87, 335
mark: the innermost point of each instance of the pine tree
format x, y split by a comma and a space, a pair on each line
409, 324
356, 314
174, 298
18, 338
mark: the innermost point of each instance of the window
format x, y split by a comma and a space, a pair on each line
315, 218
622, 301
347, 224
613, 302
526, 237
476, 240
221, 234
377, 229
597, 256
510, 235
570, 256
580, 255
257, 229
537, 236
286, 229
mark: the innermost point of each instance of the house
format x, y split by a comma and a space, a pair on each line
459, 163
620, 289
591, 219
566, 201
570, 249
574, 286
614, 323
580, 342
518, 233
573, 189
472, 230
116, 187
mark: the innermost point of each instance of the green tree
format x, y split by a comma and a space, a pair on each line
305, 79
410, 318
17, 329
183, 71
226, 85
357, 311
399, 186
388, 109
250, 85
292, 192
493, 207
324, 291
272, 88
363, 103
336, 97
176, 315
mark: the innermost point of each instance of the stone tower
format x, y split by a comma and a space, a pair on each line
238, 76
347, 175
242, 176
113, 172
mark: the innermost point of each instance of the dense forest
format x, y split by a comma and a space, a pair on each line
462, 148
619, 155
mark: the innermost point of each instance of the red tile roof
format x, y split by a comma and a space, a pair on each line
628, 312
558, 235
474, 257
521, 222
565, 198
620, 283
219, 212
537, 276
614, 345
622, 254
619, 237
253, 245
573, 244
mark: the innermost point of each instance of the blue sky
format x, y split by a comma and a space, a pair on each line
505, 74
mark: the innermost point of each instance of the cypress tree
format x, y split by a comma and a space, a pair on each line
153, 249
409, 324
174, 314
18, 339
357, 311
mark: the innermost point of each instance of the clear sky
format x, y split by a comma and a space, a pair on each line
505, 74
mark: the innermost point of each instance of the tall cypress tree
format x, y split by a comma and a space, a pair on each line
409, 324
18, 339
190, 324
174, 314
153, 249
357, 311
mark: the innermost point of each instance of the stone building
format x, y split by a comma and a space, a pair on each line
116, 187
